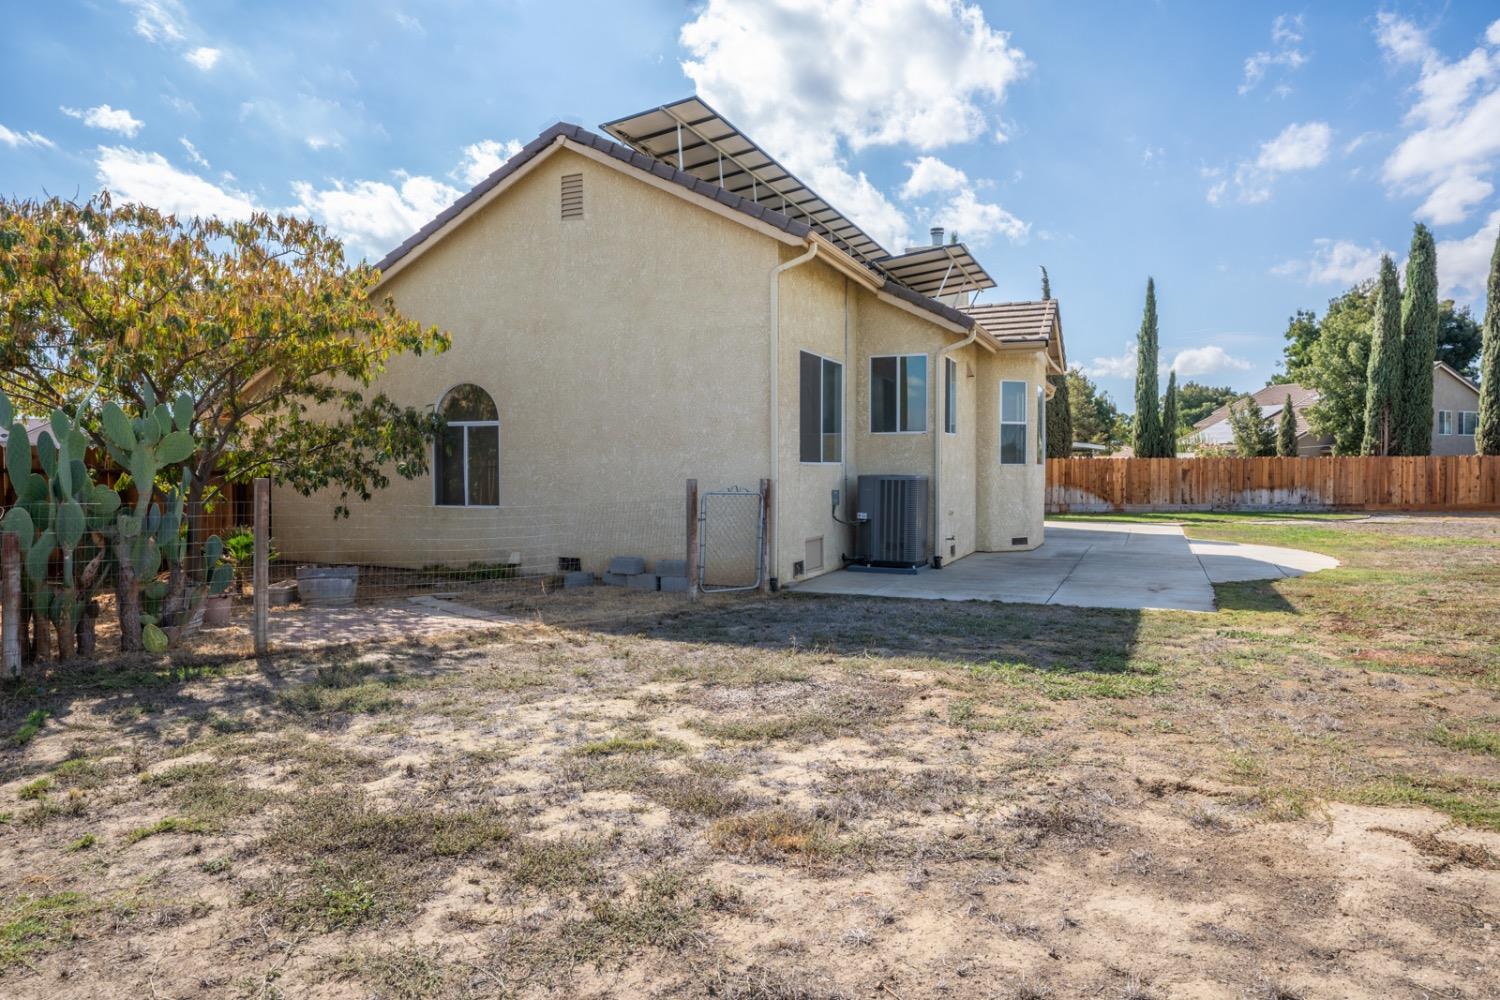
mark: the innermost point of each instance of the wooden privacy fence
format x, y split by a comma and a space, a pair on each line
1436, 482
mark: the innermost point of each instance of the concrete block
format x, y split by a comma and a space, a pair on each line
643, 581
671, 567
674, 584
578, 579
627, 565
614, 579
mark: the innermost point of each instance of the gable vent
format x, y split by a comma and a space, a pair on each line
572, 196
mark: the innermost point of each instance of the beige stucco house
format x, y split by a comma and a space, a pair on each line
626, 315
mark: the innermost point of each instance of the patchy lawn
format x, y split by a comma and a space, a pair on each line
796, 797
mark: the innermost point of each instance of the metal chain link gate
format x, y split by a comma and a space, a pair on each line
731, 537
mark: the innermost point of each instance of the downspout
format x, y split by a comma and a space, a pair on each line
940, 432
812, 251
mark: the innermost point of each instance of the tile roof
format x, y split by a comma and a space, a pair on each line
1017, 322
667, 172
1270, 400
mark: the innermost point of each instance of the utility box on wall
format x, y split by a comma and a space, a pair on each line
892, 516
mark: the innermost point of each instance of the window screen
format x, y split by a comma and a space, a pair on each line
1012, 423
1468, 422
821, 392
898, 394
950, 396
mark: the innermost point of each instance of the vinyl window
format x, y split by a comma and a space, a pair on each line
1012, 422
1468, 422
898, 394
950, 396
466, 456
1445, 422
822, 409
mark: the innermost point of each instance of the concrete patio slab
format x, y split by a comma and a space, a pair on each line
1105, 565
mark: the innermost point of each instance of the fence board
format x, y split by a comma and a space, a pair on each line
1437, 482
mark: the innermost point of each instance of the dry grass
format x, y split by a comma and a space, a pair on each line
793, 797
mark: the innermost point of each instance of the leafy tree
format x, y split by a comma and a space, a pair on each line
1059, 419
1169, 428
1302, 332
1339, 368
1196, 401
1419, 340
272, 336
1093, 414
1286, 430
1487, 437
1147, 434
1383, 373
1253, 435
1459, 337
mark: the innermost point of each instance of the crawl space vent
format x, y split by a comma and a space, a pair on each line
1020, 541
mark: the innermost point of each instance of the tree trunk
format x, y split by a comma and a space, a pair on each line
127, 599
87, 641
66, 646
41, 635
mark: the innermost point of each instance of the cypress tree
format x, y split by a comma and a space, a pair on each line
1419, 340
1046, 286
1286, 431
1059, 419
1146, 434
1169, 417
1487, 437
1383, 375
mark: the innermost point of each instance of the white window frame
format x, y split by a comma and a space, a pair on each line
901, 410
826, 360
437, 480
950, 396
1041, 423
1445, 423
1474, 417
1024, 423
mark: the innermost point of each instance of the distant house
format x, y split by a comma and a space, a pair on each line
1214, 430
1455, 415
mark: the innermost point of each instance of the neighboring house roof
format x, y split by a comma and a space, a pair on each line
1460, 376
1270, 400
1022, 323
34, 429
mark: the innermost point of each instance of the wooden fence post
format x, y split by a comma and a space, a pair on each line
692, 539
260, 620
10, 604
766, 541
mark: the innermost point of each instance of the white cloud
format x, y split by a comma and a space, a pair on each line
204, 57
1122, 366
1464, 264
373, 216
814, 81
930, 175
158, 20
1206, 361
192, 152
1297, 147
483, 158
16, 140
1334, 262
110, 119
974, 221
1286, 35
1455, 120
132, 175
409, 22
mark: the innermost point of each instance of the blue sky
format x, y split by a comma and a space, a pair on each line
1254, 158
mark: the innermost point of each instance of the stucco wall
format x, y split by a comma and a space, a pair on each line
1448, 393
1011, 497
626, 352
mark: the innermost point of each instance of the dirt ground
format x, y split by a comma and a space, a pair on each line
794, 797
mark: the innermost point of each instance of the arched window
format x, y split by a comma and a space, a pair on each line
467, 459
